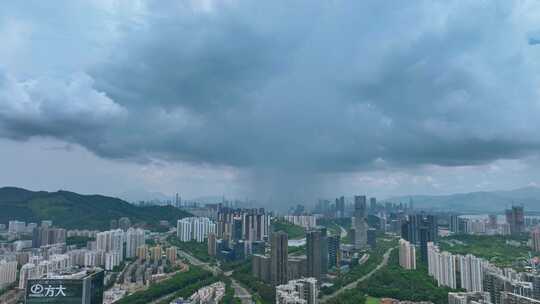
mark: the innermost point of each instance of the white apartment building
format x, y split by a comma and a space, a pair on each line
112, 240
407, 254
134, 239
16, 227
8, 272
471, 272
442, 266
301, 291
112, 259
194, 228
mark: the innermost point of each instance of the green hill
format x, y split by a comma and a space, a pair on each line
72, 210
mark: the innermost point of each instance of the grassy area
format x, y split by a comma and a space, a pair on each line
407, 285
199, 250
358, 271
372, 300
350, 296
492, 248
293, 231
182, 284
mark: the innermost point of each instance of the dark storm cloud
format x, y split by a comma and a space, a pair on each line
320, 87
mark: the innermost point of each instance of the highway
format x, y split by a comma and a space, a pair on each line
352, 285
239, 291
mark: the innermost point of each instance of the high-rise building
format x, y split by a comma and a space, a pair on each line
194, 228
279, 257
178, 201
212, 244
172, 254
334, 254
360, 206
535, 239
516, 219
340, 207
324, 250
301, 291
260, 267
8, 272
142, 252
155, 253
420, 229
16, 227
237, 229
407, 254
495, 284
46, 235
442, 266
359, 224
373, 204
134, 239
471, 272
314, 254
454, 224
112, 240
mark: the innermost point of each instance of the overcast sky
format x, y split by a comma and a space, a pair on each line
288, 100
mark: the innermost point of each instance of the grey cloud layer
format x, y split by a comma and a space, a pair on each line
325, 86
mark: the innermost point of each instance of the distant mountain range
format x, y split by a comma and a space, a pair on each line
72, 210
481, 201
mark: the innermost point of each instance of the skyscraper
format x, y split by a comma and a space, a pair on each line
334, 242
360, 206
212, 244
373, 204
420, 229
516, 219
454, 224
314, 253
535, 239
359, 222
279, 256
340, 207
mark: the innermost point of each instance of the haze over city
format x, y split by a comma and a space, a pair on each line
274, 101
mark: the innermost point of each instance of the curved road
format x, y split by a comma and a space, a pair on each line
239, 291
352, 285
